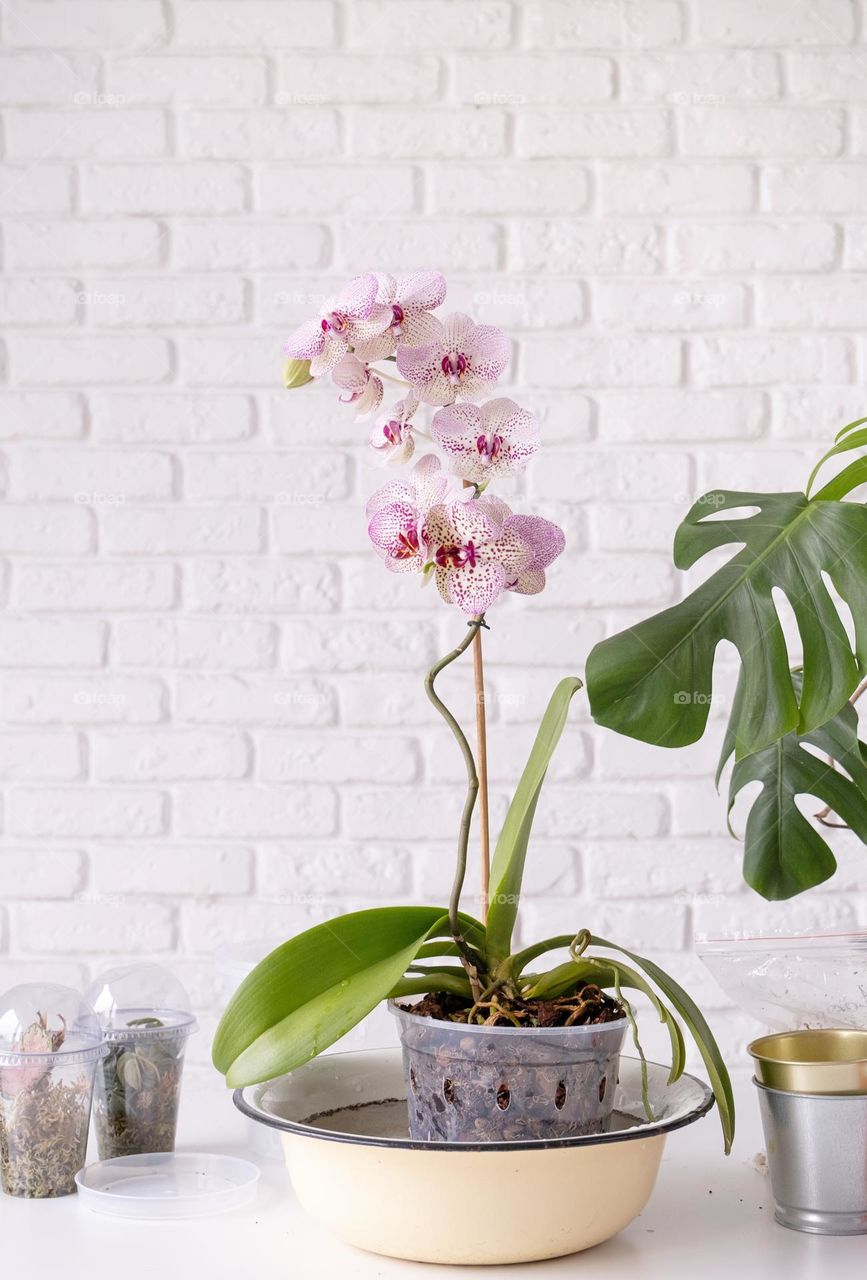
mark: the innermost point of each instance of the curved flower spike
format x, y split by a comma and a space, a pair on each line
409, 300
477, 551
484, 441
352, 316
465, 359
397, 513
546, 541
392, 434
362, 387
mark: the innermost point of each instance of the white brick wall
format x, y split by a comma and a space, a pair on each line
213, 719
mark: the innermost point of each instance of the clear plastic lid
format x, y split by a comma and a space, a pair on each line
141, 1000
50, 1023
185, 1184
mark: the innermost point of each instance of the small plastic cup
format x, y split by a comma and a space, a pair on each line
50, 1047
145, 1016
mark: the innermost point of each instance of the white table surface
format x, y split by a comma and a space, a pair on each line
708, 1218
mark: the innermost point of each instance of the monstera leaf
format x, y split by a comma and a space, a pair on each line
654, 681
784, 853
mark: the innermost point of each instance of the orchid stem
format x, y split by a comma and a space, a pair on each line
482, 751
389, 377
471, 961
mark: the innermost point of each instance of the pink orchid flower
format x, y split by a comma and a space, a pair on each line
347, 319
409, 301
392, 435
484, 441
465, 359
362, 386
546, 541
477, 550
397, 513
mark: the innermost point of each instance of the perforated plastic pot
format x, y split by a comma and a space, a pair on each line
500, 1084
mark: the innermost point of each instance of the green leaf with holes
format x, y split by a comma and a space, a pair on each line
654, 681
784, 851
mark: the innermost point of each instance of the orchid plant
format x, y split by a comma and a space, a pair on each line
440, 521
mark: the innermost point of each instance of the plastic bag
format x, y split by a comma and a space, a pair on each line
789, 982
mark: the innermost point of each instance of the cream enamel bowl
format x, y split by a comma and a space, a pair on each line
342, 1118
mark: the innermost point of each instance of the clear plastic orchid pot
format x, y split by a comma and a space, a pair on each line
50, 1047
507, 1084
145, 1015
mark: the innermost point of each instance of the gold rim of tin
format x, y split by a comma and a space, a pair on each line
823, 1060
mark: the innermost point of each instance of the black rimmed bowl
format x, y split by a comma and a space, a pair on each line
343, 1123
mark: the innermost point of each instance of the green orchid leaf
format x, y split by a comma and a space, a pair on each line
654, 681
507, 867
420, 980
784, 853
695, 1022
313, 989
609, 974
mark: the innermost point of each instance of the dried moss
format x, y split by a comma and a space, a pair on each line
43, 1137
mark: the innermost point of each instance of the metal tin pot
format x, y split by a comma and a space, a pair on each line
817, 1158
820, 1061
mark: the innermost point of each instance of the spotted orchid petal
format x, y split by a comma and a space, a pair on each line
545, 541
476, 551
345, 319
421, 290
392, 435
482, 442
463, 361
429, 481
306, 342
356, 299
394, 491
395, 534
397, 514
363, 389
407, 302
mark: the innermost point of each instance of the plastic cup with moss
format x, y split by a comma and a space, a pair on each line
50, 1048
145, 1016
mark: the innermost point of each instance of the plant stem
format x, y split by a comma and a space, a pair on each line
389, 377
482, 750
470, 960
